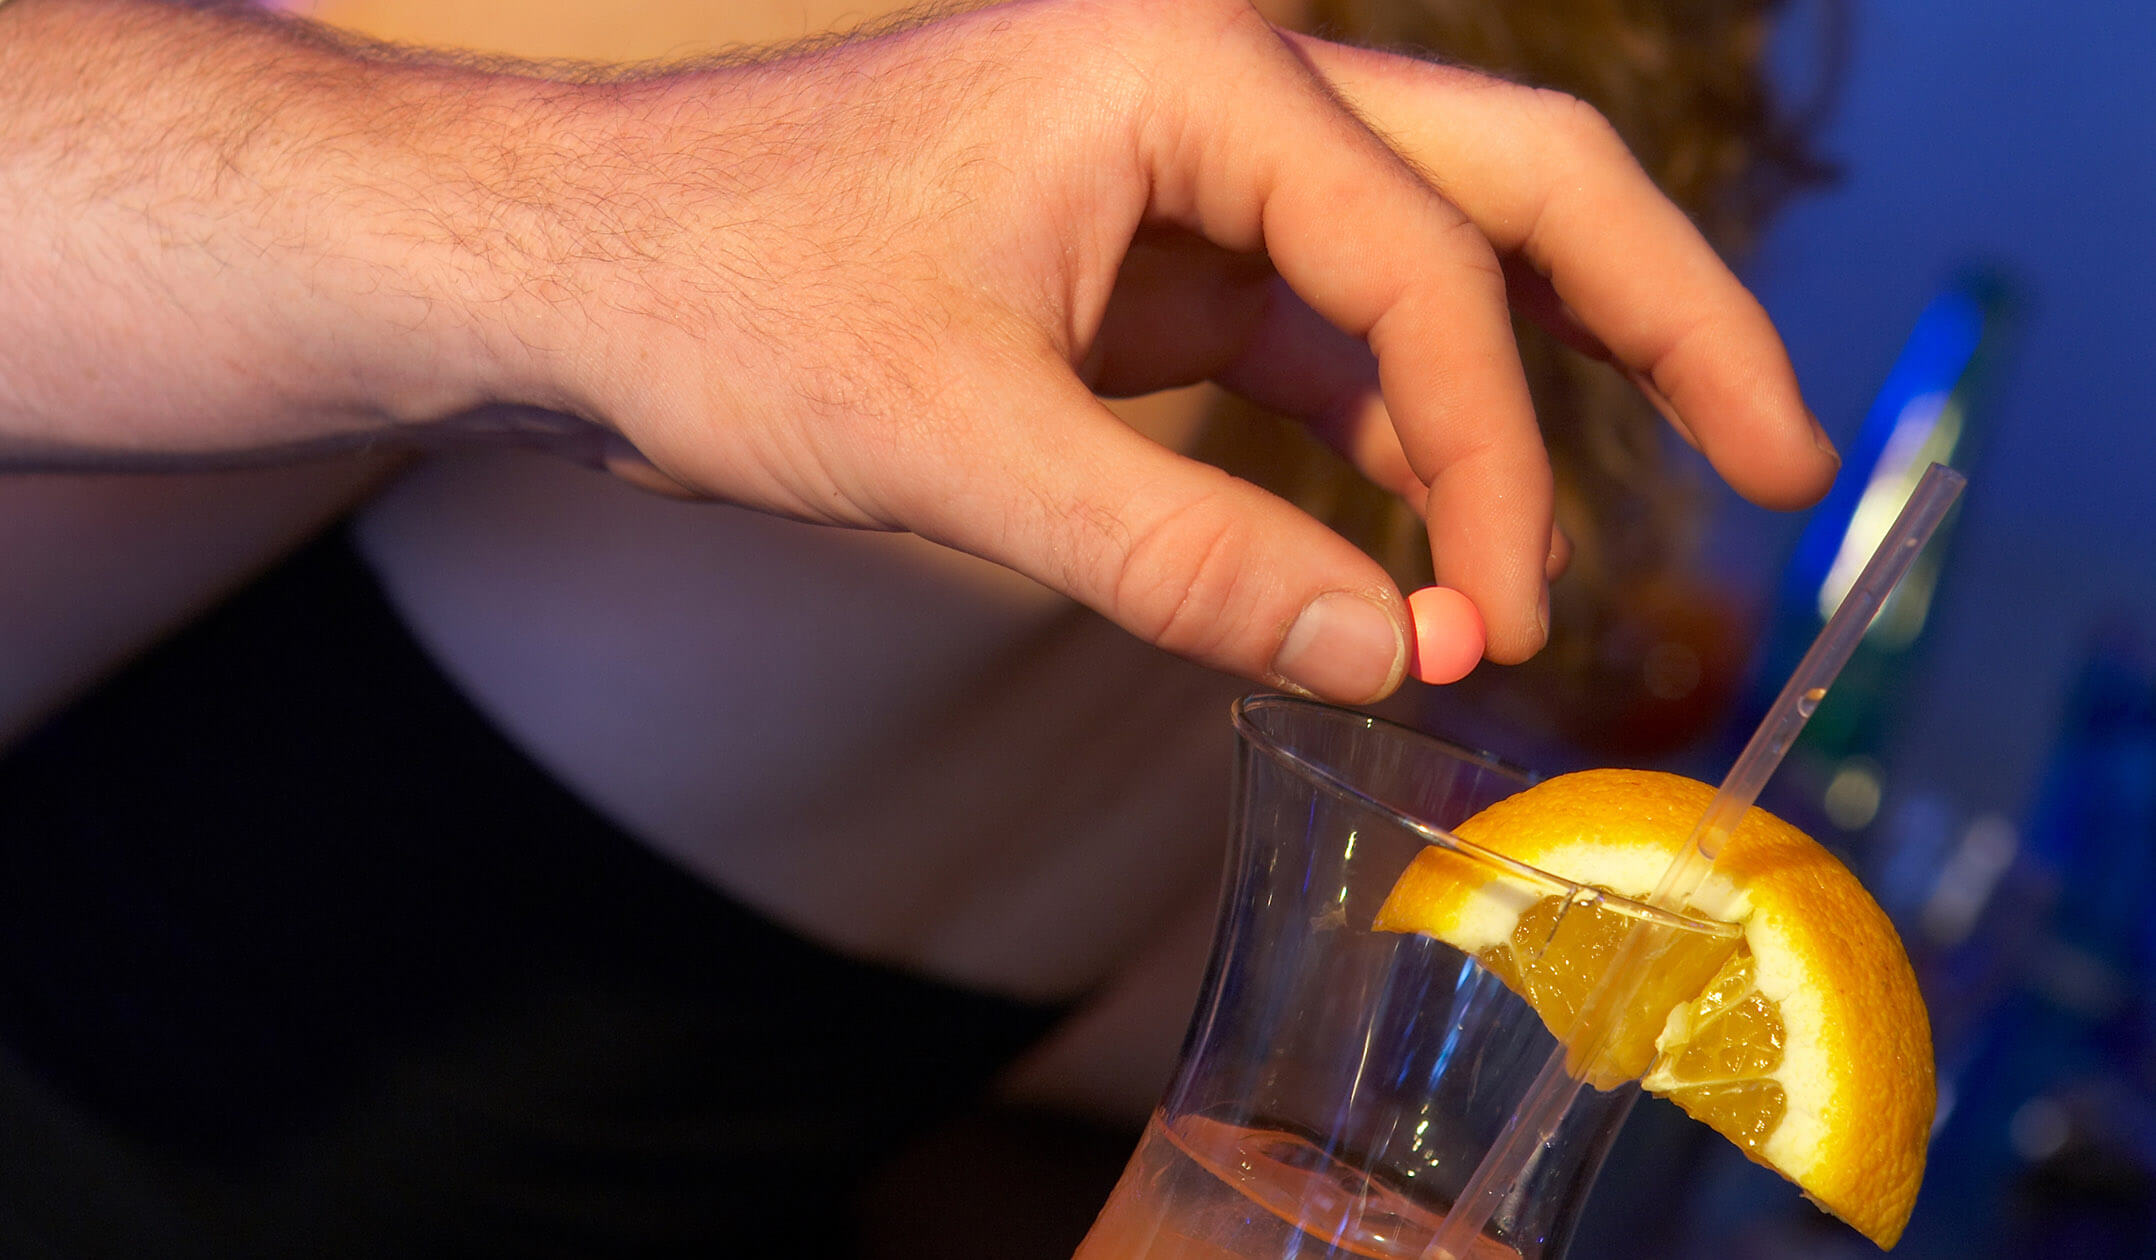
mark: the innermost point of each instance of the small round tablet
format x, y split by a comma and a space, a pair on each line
1448, 635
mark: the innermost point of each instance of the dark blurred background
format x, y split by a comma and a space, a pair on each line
1976, 279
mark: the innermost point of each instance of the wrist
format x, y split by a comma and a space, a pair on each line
229, 232
602, 225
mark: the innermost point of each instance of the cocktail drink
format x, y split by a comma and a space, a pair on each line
1340, 1082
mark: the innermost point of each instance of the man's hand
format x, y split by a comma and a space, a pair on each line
880, 285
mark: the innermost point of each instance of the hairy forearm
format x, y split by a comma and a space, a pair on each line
235, 237
227, 232
876, 285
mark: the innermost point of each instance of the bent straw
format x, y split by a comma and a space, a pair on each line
1536, 1119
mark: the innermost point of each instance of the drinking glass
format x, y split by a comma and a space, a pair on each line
1338, 1084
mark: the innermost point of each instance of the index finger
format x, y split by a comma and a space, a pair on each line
1543, 175
1272, 161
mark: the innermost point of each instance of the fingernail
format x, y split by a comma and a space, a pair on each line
1821, 440
1343, 647
1560, 557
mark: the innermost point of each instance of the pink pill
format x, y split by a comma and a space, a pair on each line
1448, 635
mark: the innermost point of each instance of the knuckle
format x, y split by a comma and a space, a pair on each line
1474, 254
1580, 127
1176, 34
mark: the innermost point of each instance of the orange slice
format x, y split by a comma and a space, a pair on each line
1805, 1042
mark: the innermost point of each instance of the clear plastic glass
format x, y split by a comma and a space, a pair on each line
1339, 1084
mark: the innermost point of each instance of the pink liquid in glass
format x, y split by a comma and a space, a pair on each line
1199, 1189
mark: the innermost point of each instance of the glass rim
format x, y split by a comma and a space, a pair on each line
1246, 711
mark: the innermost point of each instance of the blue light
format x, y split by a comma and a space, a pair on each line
1913, 412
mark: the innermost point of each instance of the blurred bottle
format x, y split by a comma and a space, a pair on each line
1930, 409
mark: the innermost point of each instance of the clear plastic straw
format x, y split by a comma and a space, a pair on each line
1547, 1100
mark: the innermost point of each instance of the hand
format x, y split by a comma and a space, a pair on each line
880, 285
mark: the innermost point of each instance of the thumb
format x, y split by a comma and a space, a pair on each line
1177, 552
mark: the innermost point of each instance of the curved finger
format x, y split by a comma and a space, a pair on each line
1185, 310
1296, 363
1271, 160
1544, 175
